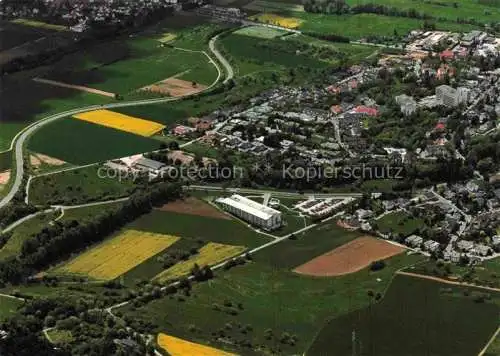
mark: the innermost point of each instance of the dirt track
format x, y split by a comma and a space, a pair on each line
76, 87
349, 258
442, 280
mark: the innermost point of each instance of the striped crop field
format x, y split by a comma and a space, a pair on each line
178, 347
209, 255
118, 255
121, 122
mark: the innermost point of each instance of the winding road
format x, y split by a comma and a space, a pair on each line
20, 139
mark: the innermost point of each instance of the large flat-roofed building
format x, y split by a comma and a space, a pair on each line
251, 211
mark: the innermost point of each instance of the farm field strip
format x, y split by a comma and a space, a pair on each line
210, 254
114, 257
350, 257
179, 347
195, 207
121, 122
263, 6
76, 87
39, 24
273, 19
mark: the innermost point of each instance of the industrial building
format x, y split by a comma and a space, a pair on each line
251, 211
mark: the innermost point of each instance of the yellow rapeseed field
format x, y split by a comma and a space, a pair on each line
209, 255
178, 347
121, 122
116, 256
272, 19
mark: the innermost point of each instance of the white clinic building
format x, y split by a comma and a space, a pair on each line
251, 211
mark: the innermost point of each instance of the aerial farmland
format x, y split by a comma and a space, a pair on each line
250, 177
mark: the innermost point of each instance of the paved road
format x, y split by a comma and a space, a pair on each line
21, 138
221, 58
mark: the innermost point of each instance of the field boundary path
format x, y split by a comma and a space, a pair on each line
446, 281
490, 341
20, 139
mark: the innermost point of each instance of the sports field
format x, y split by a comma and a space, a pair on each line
414, 310
209, 255
117, 255
349, 258
80, 142
121, 122
178, 347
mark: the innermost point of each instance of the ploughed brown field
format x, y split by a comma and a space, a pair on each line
349, 258
175, 87
193, 206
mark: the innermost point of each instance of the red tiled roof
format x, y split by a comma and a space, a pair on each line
366, 110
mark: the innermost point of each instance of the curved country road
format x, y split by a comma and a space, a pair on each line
20, 139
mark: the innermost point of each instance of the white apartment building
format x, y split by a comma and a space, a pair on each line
251, 211
450, 96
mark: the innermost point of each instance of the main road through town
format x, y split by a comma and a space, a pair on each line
19, 141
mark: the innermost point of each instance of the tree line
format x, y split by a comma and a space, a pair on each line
340, 7
56, 242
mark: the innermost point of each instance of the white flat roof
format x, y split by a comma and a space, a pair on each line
250, 206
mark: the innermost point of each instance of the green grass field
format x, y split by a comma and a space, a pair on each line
494, 348
414, 318
8, 307
272, 302
142, 61
39, 24
399, 222
260, 32
318, 240
87, 213
79, 186
5, 160
364, 25
13, 246
79, 142
251, 54
199, 228
59, 337
154, 265
47, 107
447, 9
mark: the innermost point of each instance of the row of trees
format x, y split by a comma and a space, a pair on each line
58, 241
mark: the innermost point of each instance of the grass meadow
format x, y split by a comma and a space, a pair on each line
78, 186
8, 307
22, 232
399, 222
